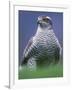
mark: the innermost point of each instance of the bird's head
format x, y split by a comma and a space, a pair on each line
44, 22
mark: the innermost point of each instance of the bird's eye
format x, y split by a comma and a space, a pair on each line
45, 19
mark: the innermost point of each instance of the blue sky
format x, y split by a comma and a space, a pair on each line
28, 26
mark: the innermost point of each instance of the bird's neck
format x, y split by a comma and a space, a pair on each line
41, 30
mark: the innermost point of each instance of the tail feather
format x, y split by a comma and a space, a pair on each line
24, 61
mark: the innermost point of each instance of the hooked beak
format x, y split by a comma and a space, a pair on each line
39, 21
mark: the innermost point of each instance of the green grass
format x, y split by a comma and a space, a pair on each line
42, 72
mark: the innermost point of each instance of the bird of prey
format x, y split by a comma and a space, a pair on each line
43, 48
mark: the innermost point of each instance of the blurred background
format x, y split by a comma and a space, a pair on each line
28, 26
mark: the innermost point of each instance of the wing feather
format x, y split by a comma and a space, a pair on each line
27, 51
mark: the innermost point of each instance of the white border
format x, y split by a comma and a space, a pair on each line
13, 80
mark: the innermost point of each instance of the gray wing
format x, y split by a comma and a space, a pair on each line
27, 52
58, 52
